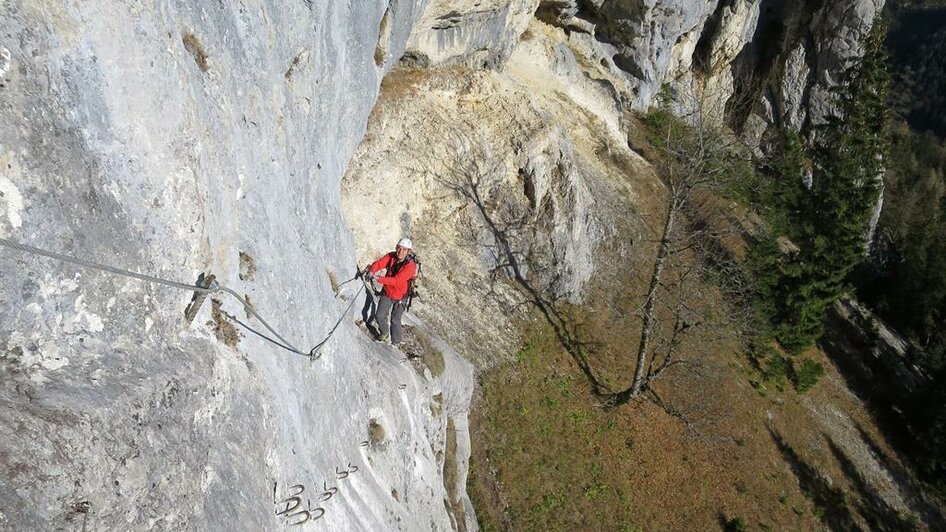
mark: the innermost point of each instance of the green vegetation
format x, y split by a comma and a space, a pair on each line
736, 524
905, 280
897, 4
818, 231
805, 374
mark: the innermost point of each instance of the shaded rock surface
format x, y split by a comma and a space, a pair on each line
477, 33
730, 56
644, 32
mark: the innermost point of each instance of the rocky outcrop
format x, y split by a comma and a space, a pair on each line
734, 58
643, 34
488, 192
556, 12
508, 183
794, 88
837, 33
785, 76
701, 76
480, 33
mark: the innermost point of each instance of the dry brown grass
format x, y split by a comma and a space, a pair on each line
375, 431
400, 83
561, 462
333, 281
247, 266
431, 356
547, 457
450, 475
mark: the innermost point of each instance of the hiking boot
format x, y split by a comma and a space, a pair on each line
384, 339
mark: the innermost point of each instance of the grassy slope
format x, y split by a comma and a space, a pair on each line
547, 457
560, 462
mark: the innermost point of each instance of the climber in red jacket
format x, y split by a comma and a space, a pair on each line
393, 272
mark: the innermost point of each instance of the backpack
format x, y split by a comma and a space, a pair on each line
412, 283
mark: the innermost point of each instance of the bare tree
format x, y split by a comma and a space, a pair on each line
693, 156
503, 223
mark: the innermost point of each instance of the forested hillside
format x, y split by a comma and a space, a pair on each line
904, 278
917, 42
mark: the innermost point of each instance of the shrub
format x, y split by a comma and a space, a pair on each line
806, 374
736, 524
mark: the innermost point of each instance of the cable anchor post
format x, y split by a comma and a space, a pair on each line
208, 282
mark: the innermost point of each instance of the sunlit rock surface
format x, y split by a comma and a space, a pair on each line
531, 162
170, 138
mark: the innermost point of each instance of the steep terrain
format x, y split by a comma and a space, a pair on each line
281, 147
472, 163
476, 163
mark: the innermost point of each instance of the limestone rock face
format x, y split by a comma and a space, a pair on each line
447, 170
177, 137
709, 52
794, 88
701, 75
556, 11
480, 33
736, 21
644, 32
506, 181
838, 31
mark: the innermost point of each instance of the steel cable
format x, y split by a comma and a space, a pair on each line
92, 264
213, 288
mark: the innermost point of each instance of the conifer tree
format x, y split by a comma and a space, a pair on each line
831, 219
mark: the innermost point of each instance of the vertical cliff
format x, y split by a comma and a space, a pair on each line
174, 138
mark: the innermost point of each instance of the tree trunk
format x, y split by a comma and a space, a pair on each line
650, 304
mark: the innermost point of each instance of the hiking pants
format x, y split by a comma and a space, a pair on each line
395, 309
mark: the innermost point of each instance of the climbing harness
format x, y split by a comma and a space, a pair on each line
205, 286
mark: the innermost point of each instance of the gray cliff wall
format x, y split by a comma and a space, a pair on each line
761, 63
169, 137
477, 33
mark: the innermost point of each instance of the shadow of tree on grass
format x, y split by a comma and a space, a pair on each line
877, 512
862, 509
827, 498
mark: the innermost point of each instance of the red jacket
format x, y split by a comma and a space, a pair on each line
395, 286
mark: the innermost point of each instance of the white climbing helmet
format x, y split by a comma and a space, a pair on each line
405, 243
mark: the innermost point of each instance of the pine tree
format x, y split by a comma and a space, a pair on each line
832, 216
